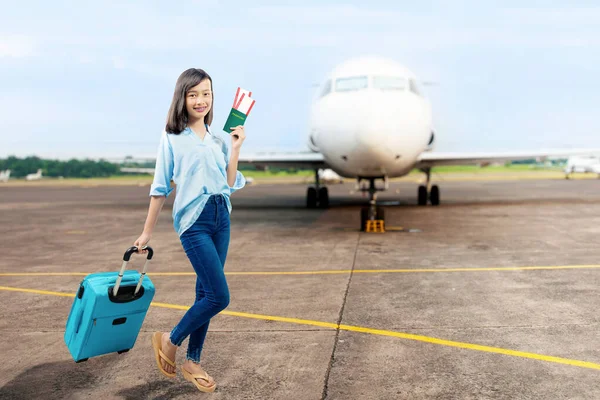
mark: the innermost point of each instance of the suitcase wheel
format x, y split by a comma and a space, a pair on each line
82, 360
122, 351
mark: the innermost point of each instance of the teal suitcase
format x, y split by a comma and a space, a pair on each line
108, 311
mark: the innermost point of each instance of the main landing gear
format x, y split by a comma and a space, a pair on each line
317, 196
428, 192
372, 212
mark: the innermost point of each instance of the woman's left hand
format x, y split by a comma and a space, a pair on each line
237, 137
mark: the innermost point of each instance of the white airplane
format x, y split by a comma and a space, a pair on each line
372, 122
583, 164
5, 175
34, 177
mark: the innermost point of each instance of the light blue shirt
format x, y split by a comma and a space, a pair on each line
198, 168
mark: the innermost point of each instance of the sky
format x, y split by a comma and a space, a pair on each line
95, 79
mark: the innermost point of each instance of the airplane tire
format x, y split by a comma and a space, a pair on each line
323, 197
311, 198
435, 195
422, 195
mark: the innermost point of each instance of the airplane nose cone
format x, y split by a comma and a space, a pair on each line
372, 133
373, 151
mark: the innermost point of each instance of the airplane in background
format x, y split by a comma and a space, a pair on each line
5, 175
583, 164
328, 176
371, 121
34, 177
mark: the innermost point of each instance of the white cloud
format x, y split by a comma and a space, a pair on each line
559, 17
343, 14
147, 30
14, 111
17, 46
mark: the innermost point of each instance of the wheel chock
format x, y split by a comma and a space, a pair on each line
377, 225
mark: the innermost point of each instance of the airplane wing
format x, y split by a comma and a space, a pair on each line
262, 161
433, 159
284, 160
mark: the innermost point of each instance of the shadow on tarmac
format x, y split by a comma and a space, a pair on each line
66, 379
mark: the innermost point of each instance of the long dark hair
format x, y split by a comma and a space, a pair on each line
177, 118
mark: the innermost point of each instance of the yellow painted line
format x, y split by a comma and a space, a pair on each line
12, 289
476, 347
351, 328
330, 272
44, 274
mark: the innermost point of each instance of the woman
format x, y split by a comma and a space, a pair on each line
204, 168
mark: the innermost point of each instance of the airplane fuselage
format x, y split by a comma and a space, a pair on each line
370, 120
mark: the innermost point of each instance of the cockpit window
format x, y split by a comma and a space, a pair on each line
352, 83
414, 87
389, 83
326, 89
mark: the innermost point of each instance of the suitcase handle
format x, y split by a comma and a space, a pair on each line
126, 258
78, 320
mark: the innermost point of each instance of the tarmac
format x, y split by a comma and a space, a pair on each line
492, 295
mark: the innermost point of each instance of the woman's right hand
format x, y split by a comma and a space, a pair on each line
141, 242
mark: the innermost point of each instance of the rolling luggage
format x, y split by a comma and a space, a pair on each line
108, 311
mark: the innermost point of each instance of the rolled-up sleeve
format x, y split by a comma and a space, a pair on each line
163, 171
240, 182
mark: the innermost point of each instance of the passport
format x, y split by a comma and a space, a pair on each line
242, 105
235, 118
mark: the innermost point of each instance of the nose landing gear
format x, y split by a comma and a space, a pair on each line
372, 217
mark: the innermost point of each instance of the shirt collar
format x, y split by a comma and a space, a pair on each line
190, 132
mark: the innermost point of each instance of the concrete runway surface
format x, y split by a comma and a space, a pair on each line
492, 295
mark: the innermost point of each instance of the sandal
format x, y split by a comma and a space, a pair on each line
158, 354
193, 378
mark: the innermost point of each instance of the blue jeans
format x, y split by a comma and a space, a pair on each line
205, 243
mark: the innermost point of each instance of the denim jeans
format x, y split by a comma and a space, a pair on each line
205, 243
